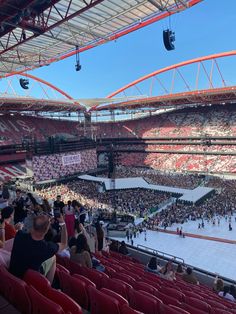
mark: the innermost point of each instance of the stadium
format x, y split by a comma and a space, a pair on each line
117, 157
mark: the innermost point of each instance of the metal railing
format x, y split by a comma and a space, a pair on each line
161, 254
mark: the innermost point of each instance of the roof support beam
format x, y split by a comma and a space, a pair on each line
22, 40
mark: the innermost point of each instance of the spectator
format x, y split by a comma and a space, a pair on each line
4, 254
232, 291
80, 253
19, 212
188, 276
123, 248
226, 294
167, 271
31, 251
218, 284
152, 265
69, 219
99, 237
7, 217
58, 205
180, 269
4, 195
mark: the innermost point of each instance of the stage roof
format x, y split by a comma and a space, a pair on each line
35, 33
224, 95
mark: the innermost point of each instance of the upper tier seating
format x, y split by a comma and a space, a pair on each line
13, 129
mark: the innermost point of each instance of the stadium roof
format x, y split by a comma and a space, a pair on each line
35, 33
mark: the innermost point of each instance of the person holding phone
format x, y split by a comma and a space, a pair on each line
31, 251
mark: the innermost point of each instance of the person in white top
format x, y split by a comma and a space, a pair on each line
226, 295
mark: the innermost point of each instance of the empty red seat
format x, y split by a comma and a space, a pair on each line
102, 303
87, 281
117, 286
95, 276
145, 287
144, 302
192, 309
75, 288
14, 290
41, 305
109, 271
171, 309
68, 304
128, 310
199, 304
37, 280
122, 301
131, 274
174, 293
167, 299
64, 261
125, 278
75, 268
62, 268
216, 304
220, 311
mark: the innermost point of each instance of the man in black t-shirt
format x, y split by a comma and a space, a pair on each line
31, 251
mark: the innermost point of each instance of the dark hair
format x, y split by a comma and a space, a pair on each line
81, 244
152, 263
179, 268
232, 290
100, 233
7, 212
226, 290
41, 223
189, 270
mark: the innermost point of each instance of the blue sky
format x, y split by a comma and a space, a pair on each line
206, 28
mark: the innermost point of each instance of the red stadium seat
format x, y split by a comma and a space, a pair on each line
131, 274
145, 287
75, 288
220, 311
192, 309
75, 268
102, 303
64, 261
216, 304
166, 299
199, 304
128, 310
68, 304
144, 302
87, 281
109, 271
122, 301
38, 281
125, 278
117, 286
171, 309
41, 304
95, 276
173, 293
62, 268
14, 290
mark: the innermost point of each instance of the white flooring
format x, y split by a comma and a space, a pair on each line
209, 255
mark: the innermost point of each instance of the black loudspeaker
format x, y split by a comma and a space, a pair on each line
168, 39
24, 83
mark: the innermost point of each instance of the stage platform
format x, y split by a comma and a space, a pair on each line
186, 195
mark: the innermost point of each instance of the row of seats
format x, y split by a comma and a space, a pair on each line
180, 162
213, 121
145, 292
35, 295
